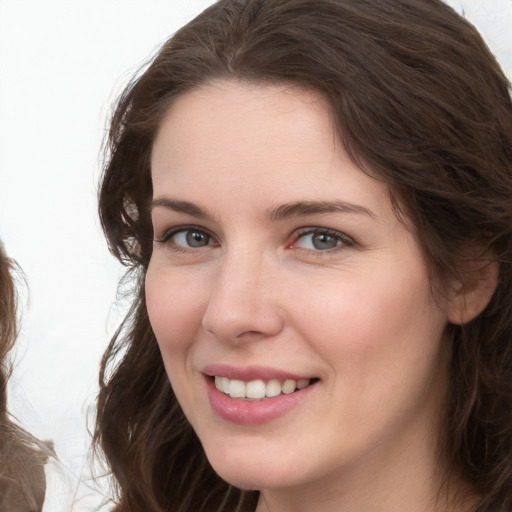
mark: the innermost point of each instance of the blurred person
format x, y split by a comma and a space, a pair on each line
22, 456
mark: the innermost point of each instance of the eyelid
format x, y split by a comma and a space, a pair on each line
346, 241
169, 233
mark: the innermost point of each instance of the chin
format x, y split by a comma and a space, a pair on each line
251, 480
255, 473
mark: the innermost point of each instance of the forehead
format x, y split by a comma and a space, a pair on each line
267, 139
247, 112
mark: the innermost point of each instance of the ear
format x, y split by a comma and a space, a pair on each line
471, 298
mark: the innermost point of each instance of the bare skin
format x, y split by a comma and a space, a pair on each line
289, 258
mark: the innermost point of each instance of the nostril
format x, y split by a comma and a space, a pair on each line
233, 316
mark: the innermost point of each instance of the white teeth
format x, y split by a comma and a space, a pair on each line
237, 389
257, 389
222, 383
273, 388
301, 384
289, 386
225, 385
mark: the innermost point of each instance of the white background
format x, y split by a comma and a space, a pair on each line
62, 62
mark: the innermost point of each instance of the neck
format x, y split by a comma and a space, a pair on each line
369, 501
399, 484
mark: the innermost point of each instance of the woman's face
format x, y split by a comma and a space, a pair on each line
281, 272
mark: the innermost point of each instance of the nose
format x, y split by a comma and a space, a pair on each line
243, 303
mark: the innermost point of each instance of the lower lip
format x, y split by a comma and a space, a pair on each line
254, 412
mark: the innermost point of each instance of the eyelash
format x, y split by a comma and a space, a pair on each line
342, 239
166, 238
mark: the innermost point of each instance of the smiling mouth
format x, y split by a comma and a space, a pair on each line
259, 389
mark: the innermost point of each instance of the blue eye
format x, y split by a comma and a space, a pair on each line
188, 238
321, 240
192, 238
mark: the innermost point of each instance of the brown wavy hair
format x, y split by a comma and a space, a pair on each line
421, 104
22, 457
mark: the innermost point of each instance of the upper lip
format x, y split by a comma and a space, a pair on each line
250, 373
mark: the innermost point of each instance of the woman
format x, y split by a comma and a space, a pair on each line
314, 200
22, 457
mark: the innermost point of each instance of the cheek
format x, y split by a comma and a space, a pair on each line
382, 341
175, 307
175, 312
373, 322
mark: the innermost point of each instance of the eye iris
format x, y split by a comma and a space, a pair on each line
322, 241
197, 239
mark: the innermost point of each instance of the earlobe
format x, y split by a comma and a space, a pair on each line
469, 300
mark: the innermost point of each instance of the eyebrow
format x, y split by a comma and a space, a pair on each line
280, 212
179, 206
305, 208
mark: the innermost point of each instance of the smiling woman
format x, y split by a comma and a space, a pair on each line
324, 297
314, 198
